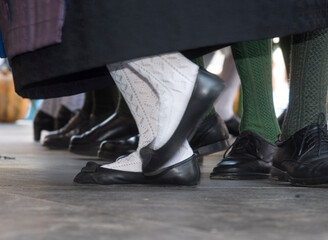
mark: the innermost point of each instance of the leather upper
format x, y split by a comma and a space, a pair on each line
305, 153
210, 130
250, 153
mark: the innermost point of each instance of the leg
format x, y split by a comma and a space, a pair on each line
302, 154
144, 105
251, 154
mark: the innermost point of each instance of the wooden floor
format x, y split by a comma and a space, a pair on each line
38, 200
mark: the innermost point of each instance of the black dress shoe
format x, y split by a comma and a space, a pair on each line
79, 124
62, 116
115, 127
211, 136
303, 158
42, 121
112, 149
233, 125
183, 173
207, 88
250, 158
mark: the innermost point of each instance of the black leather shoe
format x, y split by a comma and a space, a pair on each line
79, 124
233, 125
303, 158
184, 173
112, 149
250, 158
115, 127
42, 121
62, 116
211, 136
207, 88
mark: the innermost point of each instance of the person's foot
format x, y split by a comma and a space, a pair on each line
79, 124
250, 157
183, 173
206, 90
302, 159
233, 125
42, 121
118, 126
113, 149
211, 136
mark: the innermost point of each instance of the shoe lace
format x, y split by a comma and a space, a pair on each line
245, 144
315, 136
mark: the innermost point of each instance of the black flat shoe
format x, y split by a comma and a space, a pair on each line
207, 88
233, 125
115, 127
211, 136
113, 149
79, 124
42, 121
250, 158
62, 116
184, 173
303, 158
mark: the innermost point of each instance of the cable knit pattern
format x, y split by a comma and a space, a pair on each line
144, 105
253, 62
141, 89
173, 78
308, 83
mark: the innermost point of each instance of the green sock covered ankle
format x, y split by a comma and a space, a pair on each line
253, 62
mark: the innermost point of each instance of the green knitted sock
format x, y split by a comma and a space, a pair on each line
200, 62
308, 83
253, 62
105, 101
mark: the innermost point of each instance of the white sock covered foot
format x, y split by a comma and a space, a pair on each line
133, 162
144, 105
173, 77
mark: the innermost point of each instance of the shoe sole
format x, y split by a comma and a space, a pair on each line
205, 92
240, 176
185, 173
212, 148
277, 174
309, 182
280, 175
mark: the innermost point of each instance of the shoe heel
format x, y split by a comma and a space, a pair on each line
212, 148
278, 175
42, 121
37, 133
